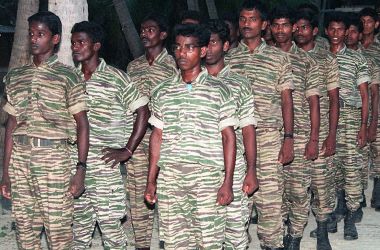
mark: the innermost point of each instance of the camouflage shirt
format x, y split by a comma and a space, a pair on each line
373, 51
112, 99
191, 117
373, 67
269, 71
322, 42
44, 98
353, 71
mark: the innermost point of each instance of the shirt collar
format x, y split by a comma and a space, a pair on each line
201, 78
343, 50
49, 62
224, 72
161, 57
243, 47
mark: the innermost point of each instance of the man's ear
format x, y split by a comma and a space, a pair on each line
226, 46
203, 51
315, 31
97, 46
56, 39
377, 23
163, 35
264, 25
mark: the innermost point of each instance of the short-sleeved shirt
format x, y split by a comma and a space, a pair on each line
191, 118
44, 99
373, 67
373, 51
329, 80
306, 83
112, 99
244, 99
353, 71
146, 77
269, 71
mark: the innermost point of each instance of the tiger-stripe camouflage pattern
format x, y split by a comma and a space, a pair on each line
237, 215
191, 159
297, 177
112, 99
353, 71
145, 77
322, 42
269, 71
43, 100
322, 170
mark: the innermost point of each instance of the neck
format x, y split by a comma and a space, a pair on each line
368, 39
308, 46
191, 74
353, 46
39, 59
214, 69
335, 48
285, 46
252, 43
152, 53
89, 66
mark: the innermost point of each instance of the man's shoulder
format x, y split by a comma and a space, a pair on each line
136, 63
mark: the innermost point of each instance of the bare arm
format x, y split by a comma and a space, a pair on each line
311, 151
374, 112
250, 183
286, 154
362, 135
329, 144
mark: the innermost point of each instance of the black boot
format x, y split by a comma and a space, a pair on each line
350, 232
293, 243
323, 242
375, 200
273, 248
332, 226
358, 215
364, 202
341, 208
253, 219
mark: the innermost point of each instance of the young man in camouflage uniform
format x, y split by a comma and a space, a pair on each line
113, 99
370, 45
245, 181
322, 183
146, 72
270, 74
44, 100
353, 101
297, 174
192, 148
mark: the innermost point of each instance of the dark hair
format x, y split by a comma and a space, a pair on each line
159, 19
231, 17
336, 16
92, 29
193, 30
190, 14
255, 5
281, 11
48, 18
308, 16
220, 28
369, 12
308, 7
354, 20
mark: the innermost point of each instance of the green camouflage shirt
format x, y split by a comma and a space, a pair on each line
43, 99
373, 67
269, 71
112, 99
353, 71
191, 117
322, 42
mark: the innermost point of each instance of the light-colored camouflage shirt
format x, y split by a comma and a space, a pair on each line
353, 71
373, 67
322, 42
269, 71
191, 117
112, 100
43, 99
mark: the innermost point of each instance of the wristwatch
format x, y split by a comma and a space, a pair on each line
81, 165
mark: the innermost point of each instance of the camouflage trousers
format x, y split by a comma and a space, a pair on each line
268, 199
189, 215
40, 179
375, 157
237, 215
297, 179
365, 155
142, 214
104, 202
348, 160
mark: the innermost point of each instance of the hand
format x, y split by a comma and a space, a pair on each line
311, 150
286, 154
250, 184
116, 155
329, 146
150, 193
77, 183
362, 136
5, 187
225, 194
372, 131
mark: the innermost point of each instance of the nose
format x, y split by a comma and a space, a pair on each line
33, 39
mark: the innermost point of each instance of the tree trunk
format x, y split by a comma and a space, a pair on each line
212, 11
128, 27
70, 12
193, 5
20, 49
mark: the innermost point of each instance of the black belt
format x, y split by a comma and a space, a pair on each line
38, 142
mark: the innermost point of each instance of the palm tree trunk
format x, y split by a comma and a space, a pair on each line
70, 12
193, 5
20, 49
128, 27
212, 11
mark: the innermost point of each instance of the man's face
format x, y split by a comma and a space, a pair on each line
215, 50
82, 47
282, 30
187, 52
353, 36
234, 32
336, 32
304, 33
150, 34
41, 40
369, 25
251, 24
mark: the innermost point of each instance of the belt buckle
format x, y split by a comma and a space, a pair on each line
35, 142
